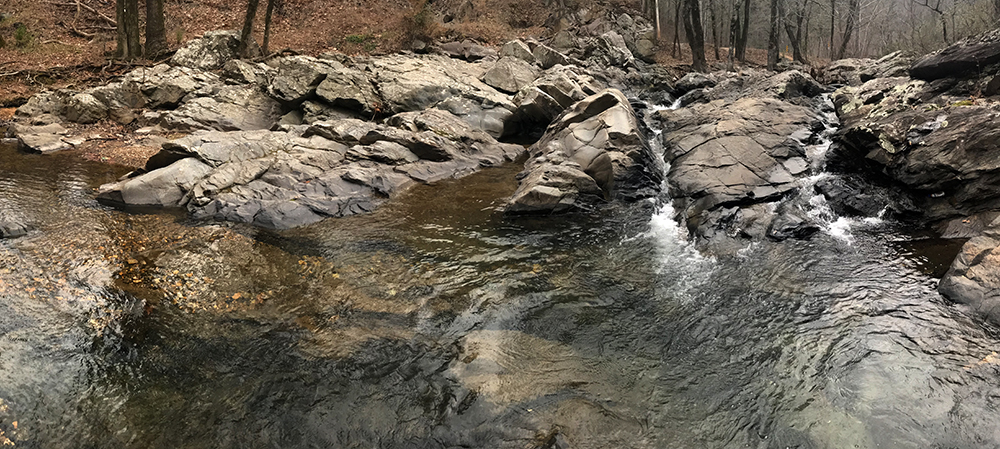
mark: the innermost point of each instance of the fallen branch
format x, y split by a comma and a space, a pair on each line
88, 8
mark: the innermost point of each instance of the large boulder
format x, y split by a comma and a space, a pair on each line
510, 74
733, 162
550, 94
974, 276
297, 78
592, 153
517, 49
940, 149
966, 57
211, 51
85, 108
857, 71
281, 179
229, 108
415, 83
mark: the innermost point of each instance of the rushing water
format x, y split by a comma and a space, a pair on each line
437, 322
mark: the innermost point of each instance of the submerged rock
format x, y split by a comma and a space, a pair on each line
12, 228
974, 276
592, 153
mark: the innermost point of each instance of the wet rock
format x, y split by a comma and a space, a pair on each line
974, 276
853, 195
211, 51
791, 222
731, 161
938, 148
510, 74
592, 153
13, 228
962, 58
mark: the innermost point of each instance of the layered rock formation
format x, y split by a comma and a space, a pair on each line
593, 152
735, 158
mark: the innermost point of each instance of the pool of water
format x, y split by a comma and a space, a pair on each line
438, 322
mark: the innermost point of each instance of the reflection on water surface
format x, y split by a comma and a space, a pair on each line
437, 322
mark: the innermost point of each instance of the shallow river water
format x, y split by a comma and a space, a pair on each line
437, 322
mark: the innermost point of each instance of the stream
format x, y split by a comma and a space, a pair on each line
439, 322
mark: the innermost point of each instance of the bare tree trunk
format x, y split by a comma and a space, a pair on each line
795, 33
127, 12
247, 34
774, 36
741, 45
677, 29
267, 26
833, 23
852, 15
996, 11
715, 29
734, 31
156, 34
695, 34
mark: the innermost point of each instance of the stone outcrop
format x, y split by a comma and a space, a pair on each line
540, 102
307, 173
738, 158
857, 71
940, 149
593, 152
974, 276
966, 57
211, 51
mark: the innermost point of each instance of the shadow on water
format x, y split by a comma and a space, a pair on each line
438, 322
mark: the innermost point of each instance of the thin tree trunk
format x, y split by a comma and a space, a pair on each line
833, 25
734, 30
774, 36
852, 13
247, 34
795, 33
677, 29
156, 34
695, 34
741, 46
715, 29
267, 26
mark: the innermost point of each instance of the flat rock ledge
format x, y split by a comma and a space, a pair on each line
303, 174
